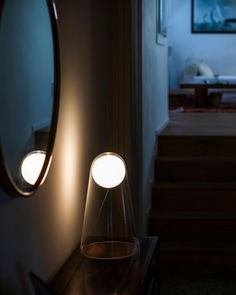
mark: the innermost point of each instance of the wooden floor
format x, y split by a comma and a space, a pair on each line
211, 124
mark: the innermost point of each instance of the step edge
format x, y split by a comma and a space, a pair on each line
197, 159
194, 185
193, 215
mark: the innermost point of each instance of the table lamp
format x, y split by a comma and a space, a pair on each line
108, 228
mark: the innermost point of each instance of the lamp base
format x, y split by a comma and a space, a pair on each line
110, 250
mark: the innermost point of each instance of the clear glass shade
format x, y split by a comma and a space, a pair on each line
109, 228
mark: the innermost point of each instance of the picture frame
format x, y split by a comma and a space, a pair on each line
162, 18
161, 22
213, 16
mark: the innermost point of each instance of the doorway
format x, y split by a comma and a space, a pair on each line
202, 66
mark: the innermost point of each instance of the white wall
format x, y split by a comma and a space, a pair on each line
155, 98
218, 50
39, 233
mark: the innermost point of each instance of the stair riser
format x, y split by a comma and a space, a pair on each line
193, 200
196, 146
193, 229
185, 169
195, 171
188, 264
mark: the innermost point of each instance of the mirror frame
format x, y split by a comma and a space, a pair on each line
6, 180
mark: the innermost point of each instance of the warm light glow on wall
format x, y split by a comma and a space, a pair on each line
108, 170
32, 165
69, 171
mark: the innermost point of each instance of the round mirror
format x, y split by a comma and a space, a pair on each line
29, 92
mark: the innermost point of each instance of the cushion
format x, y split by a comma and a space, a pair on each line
204, 70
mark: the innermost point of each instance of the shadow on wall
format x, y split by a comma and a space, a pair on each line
4, 200
6, 282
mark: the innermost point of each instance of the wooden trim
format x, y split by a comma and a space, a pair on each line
124, 92
137, 134
119, 80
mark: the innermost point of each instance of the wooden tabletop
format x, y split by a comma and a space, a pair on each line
81, 275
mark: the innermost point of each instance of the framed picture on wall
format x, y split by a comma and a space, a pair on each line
213, 16
161, 22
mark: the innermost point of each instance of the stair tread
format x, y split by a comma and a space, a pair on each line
193, 215
198, 247
197, 145
200, 123
196, 158
195, 185
194, 195
197, 135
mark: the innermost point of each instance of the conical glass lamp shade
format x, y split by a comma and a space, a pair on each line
109, 228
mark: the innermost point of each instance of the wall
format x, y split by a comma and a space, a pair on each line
38, 233
155, 87
218, 50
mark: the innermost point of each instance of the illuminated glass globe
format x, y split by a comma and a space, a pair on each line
108, 171
31, 166
109, 228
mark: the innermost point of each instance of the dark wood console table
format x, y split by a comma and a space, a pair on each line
135, 276
201, 90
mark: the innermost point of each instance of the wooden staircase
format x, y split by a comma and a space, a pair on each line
194, 204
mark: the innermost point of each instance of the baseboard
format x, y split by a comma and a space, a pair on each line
148, 189
152, 176
163, 125
148, 209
